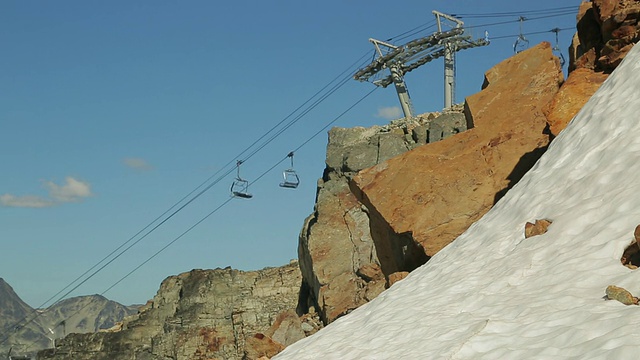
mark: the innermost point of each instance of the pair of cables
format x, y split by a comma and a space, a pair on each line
256, 146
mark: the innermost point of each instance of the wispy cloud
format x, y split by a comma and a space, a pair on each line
389, 113
27, 201
137, 164
73, 190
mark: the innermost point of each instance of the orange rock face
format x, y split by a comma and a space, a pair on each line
436, 191
581, 84
607, 30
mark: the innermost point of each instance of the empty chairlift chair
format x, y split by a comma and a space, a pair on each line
291, 179
521, 43
240, 186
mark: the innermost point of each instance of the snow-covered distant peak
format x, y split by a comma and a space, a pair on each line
492, 294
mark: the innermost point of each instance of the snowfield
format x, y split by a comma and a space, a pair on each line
492, 294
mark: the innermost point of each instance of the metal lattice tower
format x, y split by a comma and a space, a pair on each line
405, 58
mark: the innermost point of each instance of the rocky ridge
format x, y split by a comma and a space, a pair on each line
203, 314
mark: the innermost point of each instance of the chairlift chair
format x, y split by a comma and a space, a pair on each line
556, 48
521, 43
291, 179
240, 186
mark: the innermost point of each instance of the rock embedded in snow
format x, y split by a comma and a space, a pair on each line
539, 227
620, 294
631, 255
397, 276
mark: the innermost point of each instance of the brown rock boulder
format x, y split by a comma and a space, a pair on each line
260, 346
286, 329
436, 191
397, 276
581, 84
620, 294
538, 228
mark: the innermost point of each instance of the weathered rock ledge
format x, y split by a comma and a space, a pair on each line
202, 314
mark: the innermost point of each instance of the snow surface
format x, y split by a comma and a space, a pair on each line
492, 294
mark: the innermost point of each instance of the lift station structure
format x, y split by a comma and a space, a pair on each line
405, 58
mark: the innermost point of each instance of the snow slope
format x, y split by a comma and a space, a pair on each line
491, 294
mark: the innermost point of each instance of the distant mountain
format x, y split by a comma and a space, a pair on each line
13, 332
84, 314
11, 306
80, 314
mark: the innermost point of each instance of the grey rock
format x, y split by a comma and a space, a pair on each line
196, 315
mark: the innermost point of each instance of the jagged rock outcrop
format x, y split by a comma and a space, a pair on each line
607, 29
434, 192
339, 256
202, 314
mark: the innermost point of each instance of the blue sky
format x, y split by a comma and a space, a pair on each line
111, 112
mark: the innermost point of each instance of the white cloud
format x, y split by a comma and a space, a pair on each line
389, 113
72, 191
27, 201
138, 164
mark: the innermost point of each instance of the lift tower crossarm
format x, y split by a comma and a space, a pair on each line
405, 58
403, 54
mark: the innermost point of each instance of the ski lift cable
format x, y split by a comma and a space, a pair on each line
414, 31
293, 121
229, 171
529, 33
225, 174
224, 203
516, 20
511, 13
303, 113
216, 181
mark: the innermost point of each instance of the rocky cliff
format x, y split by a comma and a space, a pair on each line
376, 220
392, 196
203, 314
607, 29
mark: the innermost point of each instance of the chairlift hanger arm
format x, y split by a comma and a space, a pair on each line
459, 23
377, 44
